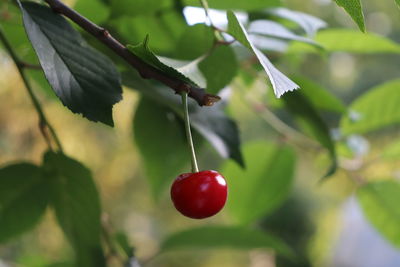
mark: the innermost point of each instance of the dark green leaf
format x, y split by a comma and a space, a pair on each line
306, 113
77, 207
219, 68
143, 51
320, 98
270, 170
211, 237
354, 9
308, 23
160, 137
234, 4
122, 240
375, 109
85, 80
279, 81
210, 122
397, 2
24, 196
379, 201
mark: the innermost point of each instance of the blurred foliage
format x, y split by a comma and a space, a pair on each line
110, 194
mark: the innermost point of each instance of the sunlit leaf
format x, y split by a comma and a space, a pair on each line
354, 9
234, 4
279, 81
379, 201
270, 170
375, 109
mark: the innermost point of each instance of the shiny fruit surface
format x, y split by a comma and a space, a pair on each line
199, 195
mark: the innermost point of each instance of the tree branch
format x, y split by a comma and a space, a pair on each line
145, 70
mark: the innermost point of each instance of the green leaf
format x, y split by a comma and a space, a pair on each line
270, 170
160, 137
219, 68
165, 30
356, 42
308, 23
379, 201
318, 96
307, 115
95, 10
24, 196
234, 4
391, 151
194, 42
212, 237
211, 122
85, 80
397, 2
375, 109
354, 9
346, 40
137, 7
76, 203
279, 81
143, 51
274, 29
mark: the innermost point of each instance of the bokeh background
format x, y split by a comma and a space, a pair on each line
323, 219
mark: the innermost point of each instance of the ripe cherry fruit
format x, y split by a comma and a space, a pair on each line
199, 195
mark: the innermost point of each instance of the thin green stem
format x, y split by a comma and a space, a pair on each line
43, 122
195, 168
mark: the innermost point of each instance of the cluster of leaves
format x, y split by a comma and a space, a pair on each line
87, 82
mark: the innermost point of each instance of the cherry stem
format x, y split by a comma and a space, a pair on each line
195, 168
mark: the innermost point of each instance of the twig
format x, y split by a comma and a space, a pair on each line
43, 122
145, 70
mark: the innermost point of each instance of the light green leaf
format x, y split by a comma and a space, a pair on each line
279, 81
77, 207
397, 2
391, 151
143, 51
354, 9
212, 237
319, 97
346, 40
377, 108
307, 115
270, 170
167, 152
380, 203
354, 41
24, 196
235, 4
219, 68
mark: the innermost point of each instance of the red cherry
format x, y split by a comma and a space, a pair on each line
199, 195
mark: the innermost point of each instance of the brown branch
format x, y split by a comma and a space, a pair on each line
145, 70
